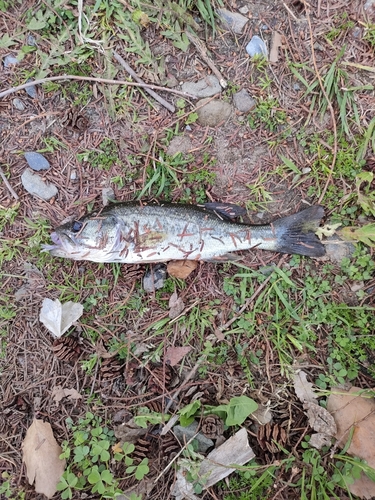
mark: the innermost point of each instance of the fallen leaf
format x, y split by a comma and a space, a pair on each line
319, 440
320, 419
181, 268
327, 230
58, 393
41, 456
354, 410
235, 450
174, 354
176, 305
117, 448
129, 432
57, 317
276, 42
303, 388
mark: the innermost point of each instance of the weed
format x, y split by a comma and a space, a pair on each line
89, 454
102, 158
8, 215
268, 114
253, 481
369, 34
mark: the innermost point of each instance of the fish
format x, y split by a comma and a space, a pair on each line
136, 233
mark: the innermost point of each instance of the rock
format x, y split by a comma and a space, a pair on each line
232, 20
10, 61
154, 278
213, 113
108, 196
179, 144
30, 40
256, 47
369, 7
37, 186
36, 161
31, 91
338, 249
206, 87
18, 104
243, 101
244, 9
183, 434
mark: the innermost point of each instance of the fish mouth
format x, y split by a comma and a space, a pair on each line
59, 245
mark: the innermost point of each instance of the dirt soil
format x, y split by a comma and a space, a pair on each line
34, 364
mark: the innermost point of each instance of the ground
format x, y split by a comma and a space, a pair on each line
250, 325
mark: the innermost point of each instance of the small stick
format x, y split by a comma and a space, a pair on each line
93, 79
134, 75
12, 192
199, 45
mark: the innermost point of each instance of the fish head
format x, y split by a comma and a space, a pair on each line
93, 238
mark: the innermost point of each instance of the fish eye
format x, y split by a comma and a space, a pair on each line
76, 226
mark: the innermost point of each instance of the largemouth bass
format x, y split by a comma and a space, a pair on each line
136, 234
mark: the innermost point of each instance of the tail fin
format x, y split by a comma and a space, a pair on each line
296, 233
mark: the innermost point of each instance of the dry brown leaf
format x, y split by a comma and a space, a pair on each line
351, 410
181, 268
176, 306
319, 440
58, 393
174, 354
303, 388
41, 455
320, 419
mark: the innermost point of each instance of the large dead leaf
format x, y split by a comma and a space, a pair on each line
59, 317
41, 456
58, 393
303, 388
320, 419
174, 354
355, 413
181, 268
176, 305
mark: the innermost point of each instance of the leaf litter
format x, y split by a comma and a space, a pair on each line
57, 317
41, 455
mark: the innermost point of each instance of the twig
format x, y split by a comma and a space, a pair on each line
134, 75
93, 79
199, 45
333, 164
290, 12
12, 192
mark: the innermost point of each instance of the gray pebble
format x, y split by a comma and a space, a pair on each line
10, 61
256, 47
18, 104
30, 40
154, 278
184, 434
179, 144
243, 101
213, 112
31, 91
232, 20
338, 249
206, 87
37, 161
108, 196
37, 186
